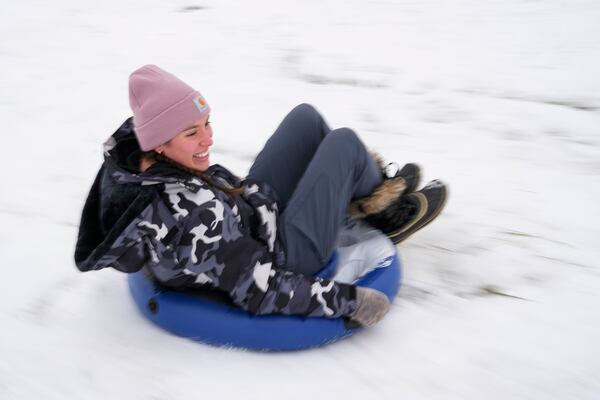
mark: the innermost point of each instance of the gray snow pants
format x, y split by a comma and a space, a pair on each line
316, 172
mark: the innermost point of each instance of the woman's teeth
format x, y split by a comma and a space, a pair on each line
201, 155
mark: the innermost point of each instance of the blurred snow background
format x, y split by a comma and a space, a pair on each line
501, 99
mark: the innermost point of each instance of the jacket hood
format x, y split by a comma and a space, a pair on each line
120, 194
122, 155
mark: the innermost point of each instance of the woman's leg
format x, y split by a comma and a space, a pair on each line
287, 153
340, 171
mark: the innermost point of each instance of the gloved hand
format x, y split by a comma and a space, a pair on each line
371, 306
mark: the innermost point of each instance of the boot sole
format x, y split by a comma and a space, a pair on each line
393, 235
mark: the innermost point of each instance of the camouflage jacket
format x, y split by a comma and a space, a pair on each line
192, 235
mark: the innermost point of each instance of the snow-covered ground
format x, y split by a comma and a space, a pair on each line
501, 99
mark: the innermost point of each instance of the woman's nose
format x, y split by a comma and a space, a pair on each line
207, 140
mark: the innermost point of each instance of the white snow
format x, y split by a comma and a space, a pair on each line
500, 99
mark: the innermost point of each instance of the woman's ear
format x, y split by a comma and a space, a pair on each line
159, 149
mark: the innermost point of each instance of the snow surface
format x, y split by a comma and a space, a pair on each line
501, 99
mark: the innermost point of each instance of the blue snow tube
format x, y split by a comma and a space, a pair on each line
364, 257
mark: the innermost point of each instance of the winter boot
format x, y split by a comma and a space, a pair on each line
411, 173
395, 183
410, 212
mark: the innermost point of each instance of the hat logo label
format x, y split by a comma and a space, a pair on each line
200, 103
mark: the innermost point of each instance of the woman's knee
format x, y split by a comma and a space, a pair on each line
346, 140
306, 115
306, 109
347, 134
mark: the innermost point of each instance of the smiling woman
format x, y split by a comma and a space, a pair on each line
158, 203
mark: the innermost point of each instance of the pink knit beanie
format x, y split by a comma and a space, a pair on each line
162, 105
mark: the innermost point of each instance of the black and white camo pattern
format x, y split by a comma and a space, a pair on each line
214, 249
192, 234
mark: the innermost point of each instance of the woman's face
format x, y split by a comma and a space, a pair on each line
190, 147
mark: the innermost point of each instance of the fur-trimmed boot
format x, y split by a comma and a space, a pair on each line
411, 212
395, 208
395, 184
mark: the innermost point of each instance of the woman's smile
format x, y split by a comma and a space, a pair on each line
201, 157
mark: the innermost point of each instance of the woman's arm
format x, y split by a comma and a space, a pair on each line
213, 251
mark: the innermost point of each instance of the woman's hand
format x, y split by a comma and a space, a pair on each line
371, 306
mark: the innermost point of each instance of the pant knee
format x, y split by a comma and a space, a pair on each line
307, 108
346, 133
347, 142
305, 113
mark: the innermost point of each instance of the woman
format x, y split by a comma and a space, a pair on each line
158, 202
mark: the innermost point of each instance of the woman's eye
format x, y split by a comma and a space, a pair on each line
191, 134
207, 123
